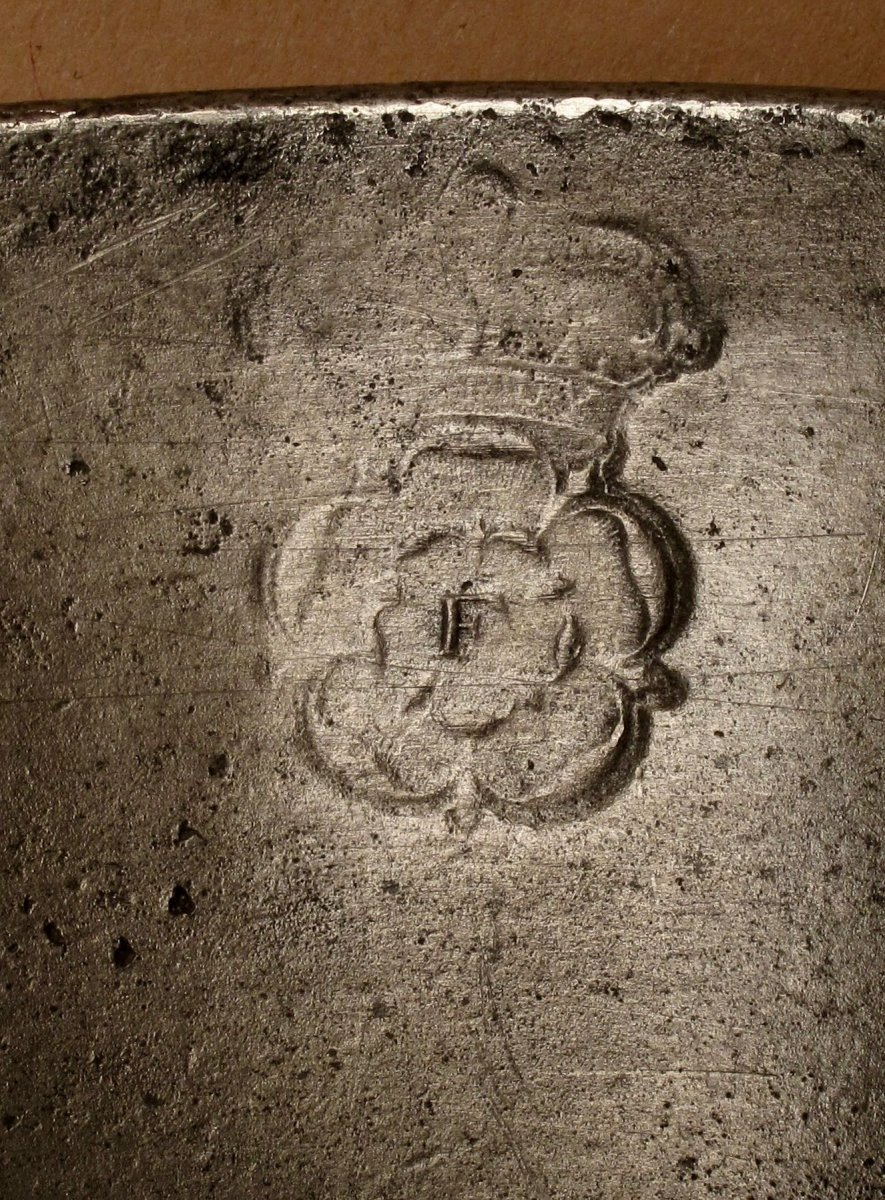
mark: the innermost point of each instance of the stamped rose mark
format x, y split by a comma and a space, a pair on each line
514, 656
485, 633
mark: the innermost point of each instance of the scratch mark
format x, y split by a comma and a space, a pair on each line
146, 293
450, 175
535, 1182
788, 708
66, 699
495, 1035
50, 432
356, 1083
869, 580
426, 1162
150, 227
725, 673
9, 475
168, 632
781, 537
688, 1072
491, 1017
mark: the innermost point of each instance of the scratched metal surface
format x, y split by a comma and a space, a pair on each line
440, 618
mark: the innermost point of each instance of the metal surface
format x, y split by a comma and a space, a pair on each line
440, 623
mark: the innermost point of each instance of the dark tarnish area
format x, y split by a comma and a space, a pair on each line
440, 629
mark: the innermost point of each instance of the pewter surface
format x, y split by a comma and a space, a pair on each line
441, 636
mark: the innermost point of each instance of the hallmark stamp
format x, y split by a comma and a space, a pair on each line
485, 630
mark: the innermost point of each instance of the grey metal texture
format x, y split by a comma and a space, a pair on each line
441, 620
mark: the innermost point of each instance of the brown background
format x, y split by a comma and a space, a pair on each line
97, 48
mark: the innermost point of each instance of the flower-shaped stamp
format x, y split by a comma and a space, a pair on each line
485, 630
513, 645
